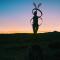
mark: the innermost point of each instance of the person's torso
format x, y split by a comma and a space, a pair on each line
35, 20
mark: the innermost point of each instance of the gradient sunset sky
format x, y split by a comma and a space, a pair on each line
15, 16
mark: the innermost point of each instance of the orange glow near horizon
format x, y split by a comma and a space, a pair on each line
10, 31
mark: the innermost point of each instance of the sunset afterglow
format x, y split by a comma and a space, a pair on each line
15, 16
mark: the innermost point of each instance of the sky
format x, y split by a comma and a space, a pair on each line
15, 16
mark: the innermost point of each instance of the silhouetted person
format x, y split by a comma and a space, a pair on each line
35, 53
35, 24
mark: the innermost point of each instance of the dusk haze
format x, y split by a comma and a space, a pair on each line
15, 16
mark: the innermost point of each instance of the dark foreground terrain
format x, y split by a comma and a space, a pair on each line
18, 46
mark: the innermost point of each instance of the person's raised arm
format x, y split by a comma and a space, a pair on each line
40, 12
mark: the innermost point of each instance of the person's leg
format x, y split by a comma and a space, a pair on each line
34, 28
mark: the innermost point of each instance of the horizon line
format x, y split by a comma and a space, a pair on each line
28, 32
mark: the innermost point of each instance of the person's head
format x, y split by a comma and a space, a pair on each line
35, 13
